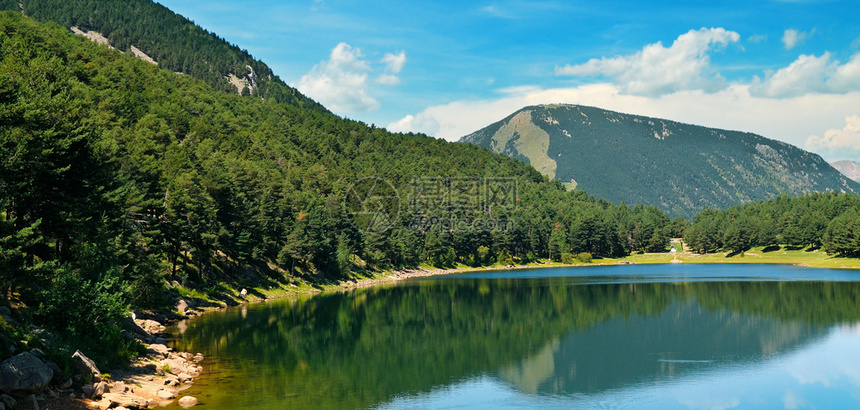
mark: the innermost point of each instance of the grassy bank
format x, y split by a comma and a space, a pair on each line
311, 284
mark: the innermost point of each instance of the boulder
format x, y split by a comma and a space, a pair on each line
29, 402
187, 401
8, 401
87, 366
165, 394
182, 306
158, 350
24, 374
87, 390
58, 373
121, 387
99, 389
126, 400
184, 377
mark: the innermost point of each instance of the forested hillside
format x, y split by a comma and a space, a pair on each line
830, 221
119, 175
176, 43
680, 168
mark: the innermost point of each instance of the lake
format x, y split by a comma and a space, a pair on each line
643, 336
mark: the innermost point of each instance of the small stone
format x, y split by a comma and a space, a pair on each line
66, 384
87, 390
166, 394
188, 401
184, 378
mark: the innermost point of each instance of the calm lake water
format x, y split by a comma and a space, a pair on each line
643, 336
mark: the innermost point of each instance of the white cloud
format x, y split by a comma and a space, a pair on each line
394, 62
657, 70
810, 74
340, 83
791, 38
393, 65
757, 38
388, 79
835, 140
791, 120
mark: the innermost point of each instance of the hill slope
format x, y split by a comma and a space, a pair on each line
677, 167
174, 42
118, 174
850, 169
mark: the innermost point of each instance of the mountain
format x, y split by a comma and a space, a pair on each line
850, 169
154, 33
677, 167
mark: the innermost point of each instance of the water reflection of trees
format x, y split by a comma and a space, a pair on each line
364, 347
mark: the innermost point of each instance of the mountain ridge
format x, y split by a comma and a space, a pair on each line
850, 169
680, 168
146, 28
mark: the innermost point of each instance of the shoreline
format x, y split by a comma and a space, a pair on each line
148, 378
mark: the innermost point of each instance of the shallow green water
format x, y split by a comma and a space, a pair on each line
665, 336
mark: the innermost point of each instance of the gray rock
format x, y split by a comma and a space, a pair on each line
8, 401
29, 402
66, 384
121, 387
158, 350
99, 389
87, 390
160, 341
55, 368
126, 400
182, 306
87, 366
2, 406
24, 374
188, 401
184, 377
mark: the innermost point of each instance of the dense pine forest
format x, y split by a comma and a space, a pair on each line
173, 41
120, 176
829, 221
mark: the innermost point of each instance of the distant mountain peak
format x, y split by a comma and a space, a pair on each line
850, 169
680, 168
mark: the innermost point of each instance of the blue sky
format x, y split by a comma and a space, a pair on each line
785, 69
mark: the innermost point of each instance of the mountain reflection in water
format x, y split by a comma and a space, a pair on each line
547, 338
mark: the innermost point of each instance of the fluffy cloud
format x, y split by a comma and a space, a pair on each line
340, 83
791, 120
394, 62
791, 38
657, 70
836, 140
810, 74
393, 65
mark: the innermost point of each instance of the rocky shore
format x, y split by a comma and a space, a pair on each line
28, 380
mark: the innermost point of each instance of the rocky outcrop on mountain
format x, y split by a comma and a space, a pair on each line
679, 168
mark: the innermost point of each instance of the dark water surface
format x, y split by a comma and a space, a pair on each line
642, 336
